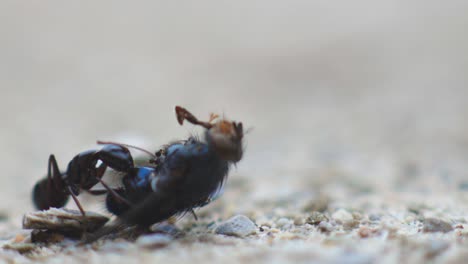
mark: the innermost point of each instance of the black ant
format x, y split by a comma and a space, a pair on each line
181, 176
81, 174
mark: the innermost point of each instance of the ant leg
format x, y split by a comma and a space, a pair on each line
100, 172
85, 222
76, 201
114, 194
183, 114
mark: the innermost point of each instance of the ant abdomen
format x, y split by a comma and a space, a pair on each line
46, 196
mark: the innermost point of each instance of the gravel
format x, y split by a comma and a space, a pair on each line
437, 225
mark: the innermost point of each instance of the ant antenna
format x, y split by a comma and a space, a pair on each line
99, 142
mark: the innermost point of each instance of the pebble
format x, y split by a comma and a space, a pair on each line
284, 223
374, 217
64, 220
299, 220
239, 226
19, 238
342, 216
357, 216
351, 225
154, 240
436, 225
274, 230
325, 227
265, 222
365, 232
316, 218
20, 247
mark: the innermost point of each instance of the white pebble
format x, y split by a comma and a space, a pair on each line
239, 226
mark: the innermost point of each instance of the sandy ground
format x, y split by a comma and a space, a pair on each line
358, 111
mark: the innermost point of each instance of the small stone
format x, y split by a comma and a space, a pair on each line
266, 222
326, 227
64, 220
299, 220
351, 225
342, 216
374, 217
19, 238
239, 226
274, 230
316, 218
20, 247
436, 225
365, 232
284, 223
357, 216
154, 240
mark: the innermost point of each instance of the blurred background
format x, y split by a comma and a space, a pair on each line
360, 93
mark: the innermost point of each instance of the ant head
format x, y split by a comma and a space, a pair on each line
224, 135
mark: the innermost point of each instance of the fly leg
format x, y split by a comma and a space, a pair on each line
183, 114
